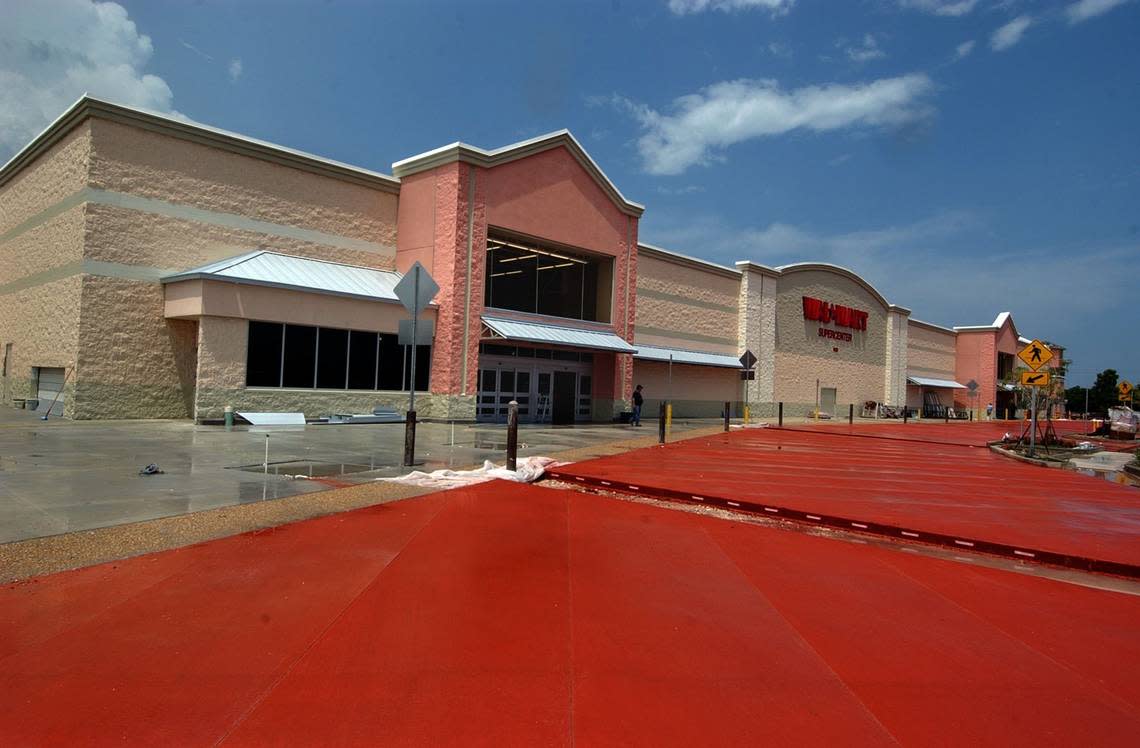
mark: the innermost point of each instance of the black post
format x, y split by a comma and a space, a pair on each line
727, 405
661, 425
410, 439
781, 414
851, 413
513, 436
946, 412
905, 413
971, 414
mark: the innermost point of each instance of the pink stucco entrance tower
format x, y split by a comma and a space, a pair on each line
547, 189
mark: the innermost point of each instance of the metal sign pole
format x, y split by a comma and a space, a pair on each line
415, 322
1033, 425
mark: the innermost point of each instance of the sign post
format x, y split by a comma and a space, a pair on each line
1035, 355
747, 361
415, 291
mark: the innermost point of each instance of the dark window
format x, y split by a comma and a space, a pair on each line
529, 277
584, 384
361, 360
303, 356
566, 356
332, 358
300, 355
391, 363
492, 349
423, 368
263, 354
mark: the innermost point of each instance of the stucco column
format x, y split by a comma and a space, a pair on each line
624, 316
756, 328
894, 372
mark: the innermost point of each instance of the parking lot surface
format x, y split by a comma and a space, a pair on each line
924, 481
521, 615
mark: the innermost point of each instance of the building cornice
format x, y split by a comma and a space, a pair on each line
677, 258
469, 154
932, 326
748, 266
88, 106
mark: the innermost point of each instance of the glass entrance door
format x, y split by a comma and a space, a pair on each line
497, 387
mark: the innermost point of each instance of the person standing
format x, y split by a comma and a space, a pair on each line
989, 411
638, 401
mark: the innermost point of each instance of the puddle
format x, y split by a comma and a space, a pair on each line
308, 468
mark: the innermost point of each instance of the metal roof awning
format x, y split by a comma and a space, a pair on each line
547, 332
681, 356
264, 268
925, 382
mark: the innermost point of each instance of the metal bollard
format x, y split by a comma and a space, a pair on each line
851, 413
410, 439
726, 407
228, 414
906, 414
781, 414
946, 413
661, 425
513, 436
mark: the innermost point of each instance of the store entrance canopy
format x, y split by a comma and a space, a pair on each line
596, 339
924, 382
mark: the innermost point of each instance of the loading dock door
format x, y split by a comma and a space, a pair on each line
50, 386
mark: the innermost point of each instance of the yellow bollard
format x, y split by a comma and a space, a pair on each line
669, 415
746, 414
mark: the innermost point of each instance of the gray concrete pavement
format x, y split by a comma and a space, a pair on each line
62, 476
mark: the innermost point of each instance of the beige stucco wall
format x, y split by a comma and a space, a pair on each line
930, 351
680, 305
856, 370
98, 218
696, 391
41, 249
153, 165
55, 175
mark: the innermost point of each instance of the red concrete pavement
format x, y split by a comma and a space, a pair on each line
918, 483
515, 615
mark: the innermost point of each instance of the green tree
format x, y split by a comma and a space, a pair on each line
1103, 394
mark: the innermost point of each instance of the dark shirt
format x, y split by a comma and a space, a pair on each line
637, 398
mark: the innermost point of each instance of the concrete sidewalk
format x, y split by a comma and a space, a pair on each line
61, 476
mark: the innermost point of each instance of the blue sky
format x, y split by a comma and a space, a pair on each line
965, 156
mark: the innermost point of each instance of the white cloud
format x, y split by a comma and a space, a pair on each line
723, 114
965, 48
52, 51
684, 7
866, 51
235, 69
941, 7
1086, 9
780, 49
1010, 34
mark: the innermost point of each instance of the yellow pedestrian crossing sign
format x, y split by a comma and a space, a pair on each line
1034, 378
1035, 355
1125, 390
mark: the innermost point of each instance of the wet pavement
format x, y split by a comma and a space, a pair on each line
61, 476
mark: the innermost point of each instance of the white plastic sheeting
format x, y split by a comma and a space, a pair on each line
530, 470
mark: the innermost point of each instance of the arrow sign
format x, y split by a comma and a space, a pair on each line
748, 360
1034, 378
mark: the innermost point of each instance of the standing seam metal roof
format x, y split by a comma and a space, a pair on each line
286, 271
542, 332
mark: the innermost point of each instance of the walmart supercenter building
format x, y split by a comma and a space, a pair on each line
154, 268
